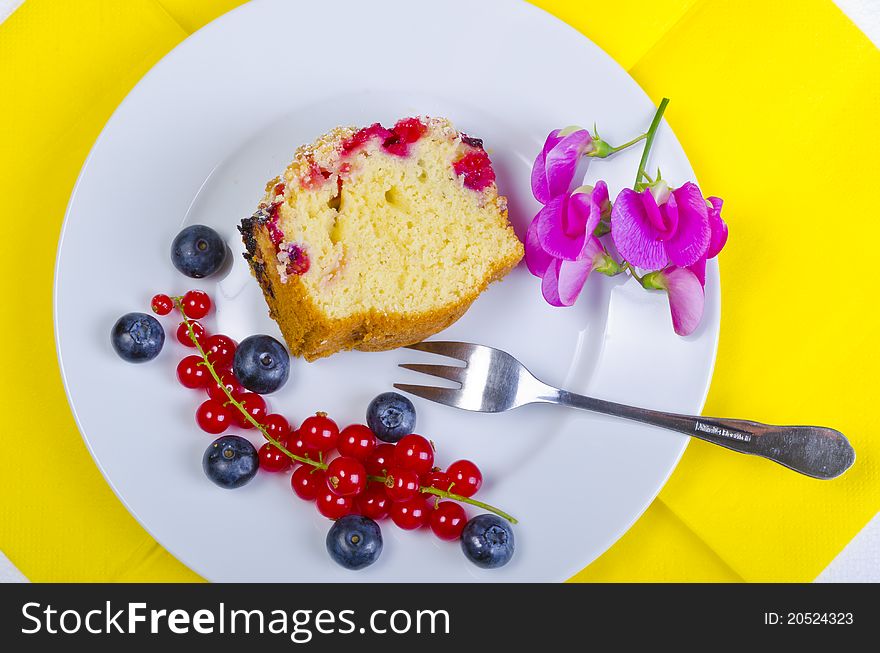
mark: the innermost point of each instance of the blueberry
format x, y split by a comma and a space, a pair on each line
487, 541
198, 251
391, 416
354, 541
261, 364
137, 337
230, 461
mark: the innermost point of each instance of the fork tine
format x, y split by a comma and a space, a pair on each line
451, 349
446, 396
449, 372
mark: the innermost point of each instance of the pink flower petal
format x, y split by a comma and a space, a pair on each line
557, 162
550, 284
572, 276
699, 269
690, 241
537, 260
552, 221
685, 300
633, 219
718, 228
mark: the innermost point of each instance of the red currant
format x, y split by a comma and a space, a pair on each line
295, 445
192, 372
346, 476
333, 506
196, 304
229, 381
414, 452
277, 427
356, 441
373, 502
319, 432
254, 404
161, 304
402, 484
220, 349
448, 520
272, 459
379, 460
465, 477
307, 481
212, 417
183, 334
435, 479
410, 514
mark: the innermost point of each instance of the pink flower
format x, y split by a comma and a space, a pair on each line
557, 162
560, 246
686, 286
686, 296
651, 234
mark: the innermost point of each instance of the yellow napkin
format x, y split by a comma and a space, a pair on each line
776, 111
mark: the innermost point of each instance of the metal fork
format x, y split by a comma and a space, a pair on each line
493, 381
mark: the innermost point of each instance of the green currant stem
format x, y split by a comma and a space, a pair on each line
318, 464
457, 497
649, 141
232, 400
629, 143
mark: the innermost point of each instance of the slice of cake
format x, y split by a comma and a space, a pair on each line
376, 238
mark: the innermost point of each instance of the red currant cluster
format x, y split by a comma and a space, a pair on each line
343, 472
375, 479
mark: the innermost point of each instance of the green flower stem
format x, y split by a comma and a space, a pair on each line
629, 268
629, 143
649, 141
318, 464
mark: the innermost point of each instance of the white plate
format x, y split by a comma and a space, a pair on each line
196, 140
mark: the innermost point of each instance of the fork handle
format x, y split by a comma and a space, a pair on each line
815, 451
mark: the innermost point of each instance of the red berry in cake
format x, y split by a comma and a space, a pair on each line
277, 427
409, 515
405, 132
272, 459
333, 506
448, 520
373, 502
362, 136
466, 478
212, 417
230, 382
414, 452
379, 460
183, 334
298, 261
279, 189
436, 479
161, 304
401, 484
357, 441
196, 304
192, 372
255, 406
220, 349
346, 476
307, 481
476, 168
319, 432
